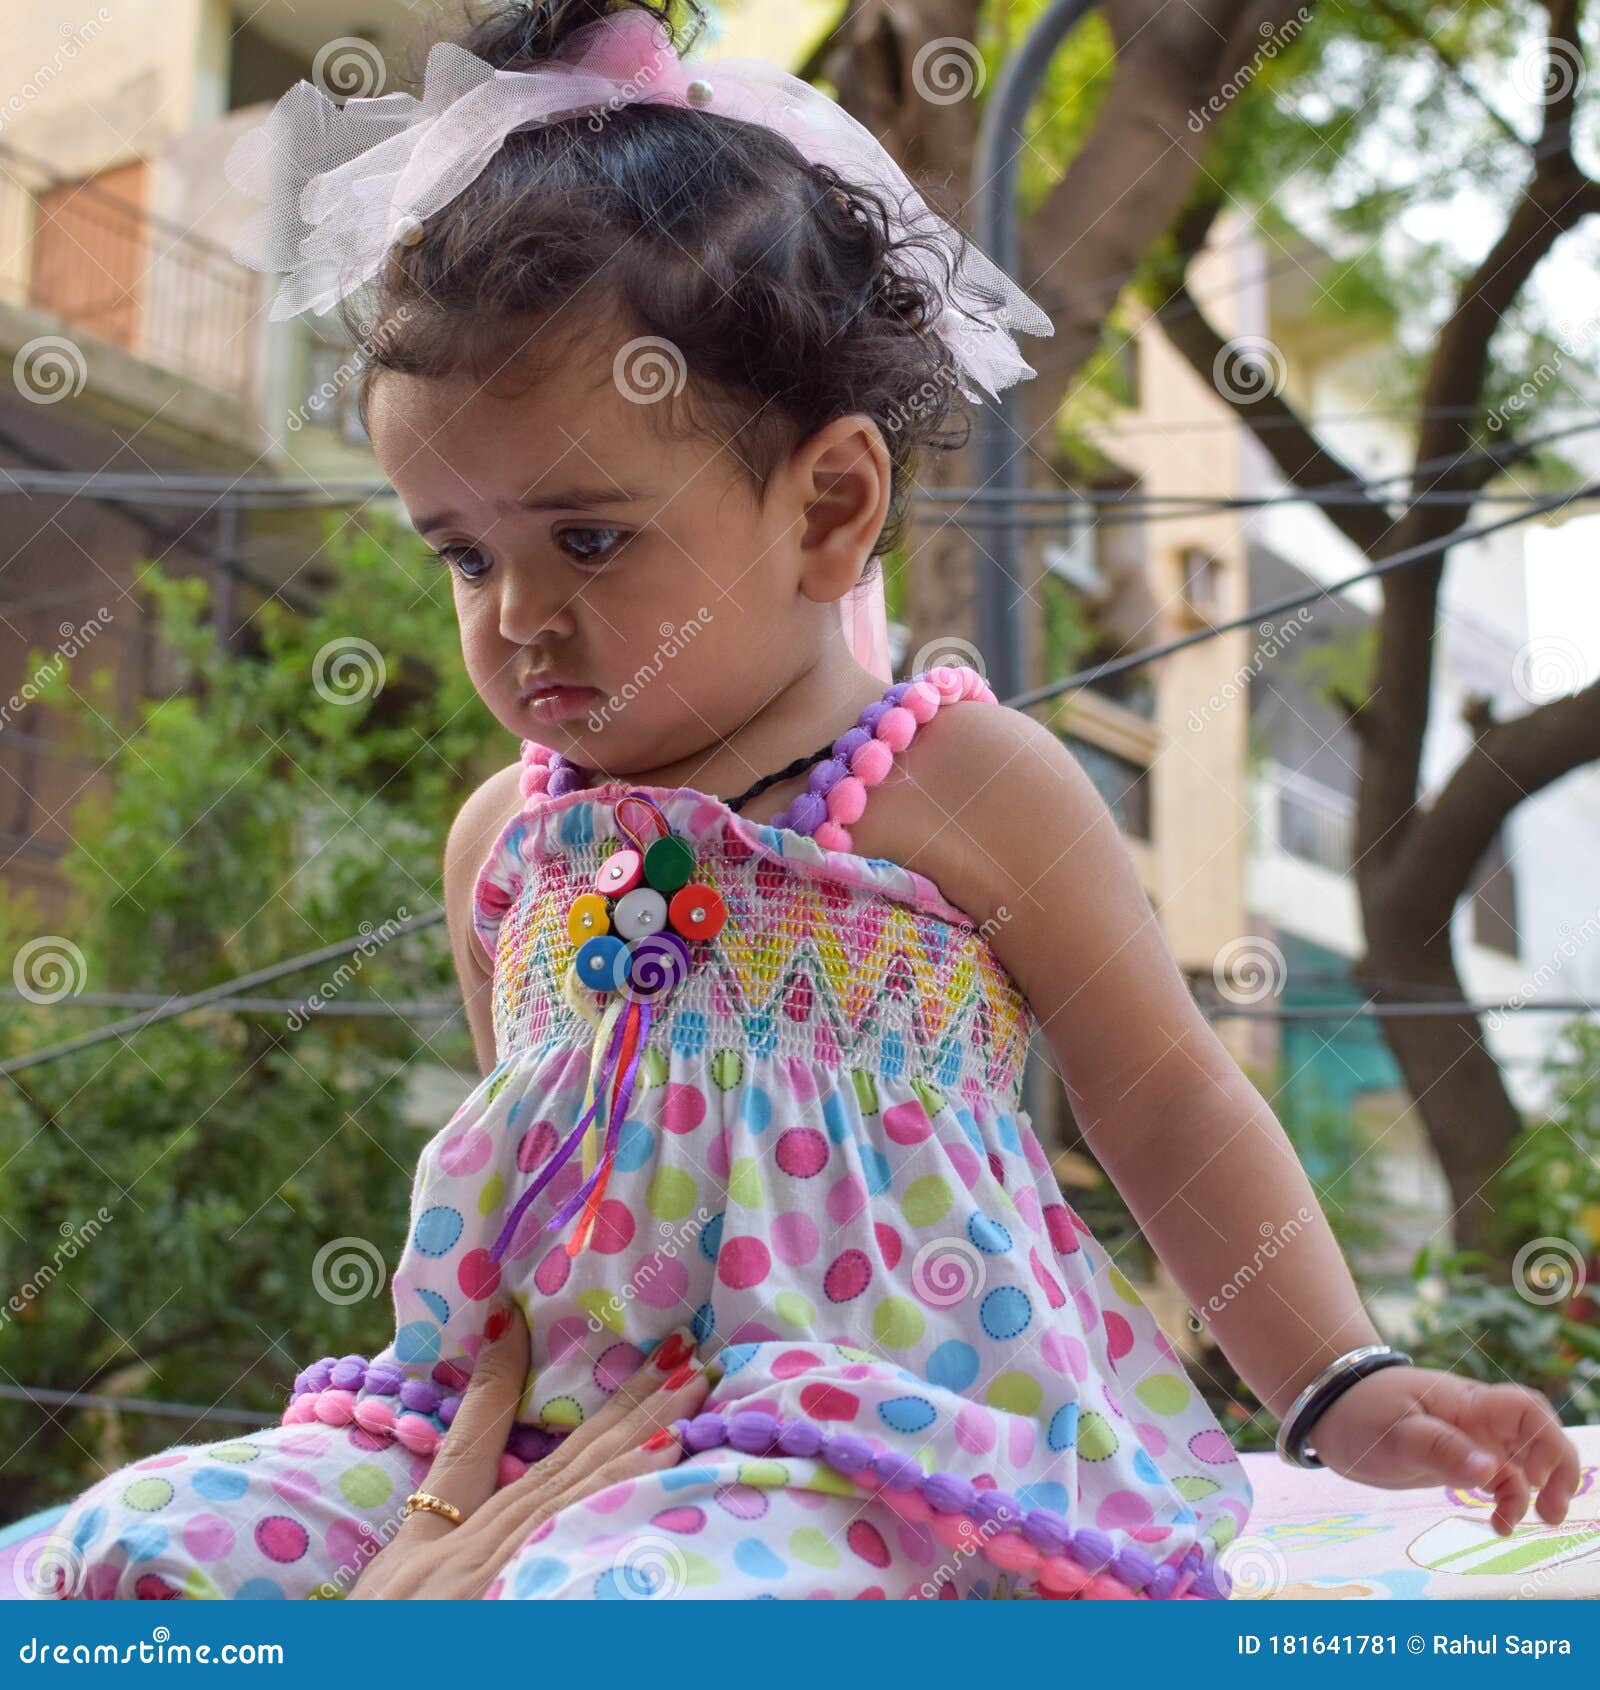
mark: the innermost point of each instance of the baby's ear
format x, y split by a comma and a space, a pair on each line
844, 480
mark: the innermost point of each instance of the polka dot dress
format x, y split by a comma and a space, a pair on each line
929, 1379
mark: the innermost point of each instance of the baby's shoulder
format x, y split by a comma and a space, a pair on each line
484, 815
480, 821
970, 786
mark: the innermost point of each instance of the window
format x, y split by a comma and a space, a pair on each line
332, 376
1202, 580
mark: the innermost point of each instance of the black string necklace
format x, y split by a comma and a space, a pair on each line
797, 767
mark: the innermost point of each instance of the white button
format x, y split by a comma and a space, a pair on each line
641, 911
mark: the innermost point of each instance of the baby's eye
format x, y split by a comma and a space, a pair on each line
469, 562
591, 545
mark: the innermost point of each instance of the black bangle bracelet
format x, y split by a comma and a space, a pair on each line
1323, 1392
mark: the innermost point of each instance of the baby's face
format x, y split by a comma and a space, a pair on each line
637, 574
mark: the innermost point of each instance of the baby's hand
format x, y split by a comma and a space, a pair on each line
1410, 1426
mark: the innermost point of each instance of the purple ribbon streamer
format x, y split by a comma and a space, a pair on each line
558, 1160
619, 1109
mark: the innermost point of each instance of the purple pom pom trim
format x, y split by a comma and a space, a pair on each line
755, 1432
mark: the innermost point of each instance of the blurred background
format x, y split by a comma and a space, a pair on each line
1323, 280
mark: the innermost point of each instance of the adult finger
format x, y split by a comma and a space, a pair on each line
646, 1402
508, 1519
466, 1465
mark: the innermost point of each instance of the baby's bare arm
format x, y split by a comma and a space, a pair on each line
1014, 833
478, 824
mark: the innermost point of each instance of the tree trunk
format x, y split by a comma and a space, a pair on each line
1082, 244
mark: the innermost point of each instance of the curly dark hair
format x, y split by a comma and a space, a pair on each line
779, 283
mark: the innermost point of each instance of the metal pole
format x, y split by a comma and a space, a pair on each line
1002, 601
225, 609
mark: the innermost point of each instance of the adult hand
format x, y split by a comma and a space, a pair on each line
429, 1557
1405, 1427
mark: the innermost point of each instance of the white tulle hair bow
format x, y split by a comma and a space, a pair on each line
342, 184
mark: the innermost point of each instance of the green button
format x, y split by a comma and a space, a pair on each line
668, 862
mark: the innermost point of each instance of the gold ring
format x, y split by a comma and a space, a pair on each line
420, 1501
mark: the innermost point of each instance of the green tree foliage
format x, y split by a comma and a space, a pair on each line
275, 802
1543, 1327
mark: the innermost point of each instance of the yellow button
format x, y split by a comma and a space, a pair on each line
587, 918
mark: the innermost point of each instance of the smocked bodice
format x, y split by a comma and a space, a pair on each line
855, 963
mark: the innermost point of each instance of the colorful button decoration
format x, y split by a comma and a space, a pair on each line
641, 912
602, 962
619, 873
633, 948
669, 862
588, 918
697, 912
643, 893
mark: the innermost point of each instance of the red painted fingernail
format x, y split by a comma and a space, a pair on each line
498, 1321
658, 1440
674, 1350
681, 1376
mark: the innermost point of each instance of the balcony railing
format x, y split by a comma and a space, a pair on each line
97, 260
1313, 822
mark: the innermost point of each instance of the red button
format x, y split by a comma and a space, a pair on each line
697, 911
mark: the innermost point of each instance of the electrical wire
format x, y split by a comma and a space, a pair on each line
42, 1394
1281, 607
1023, 701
